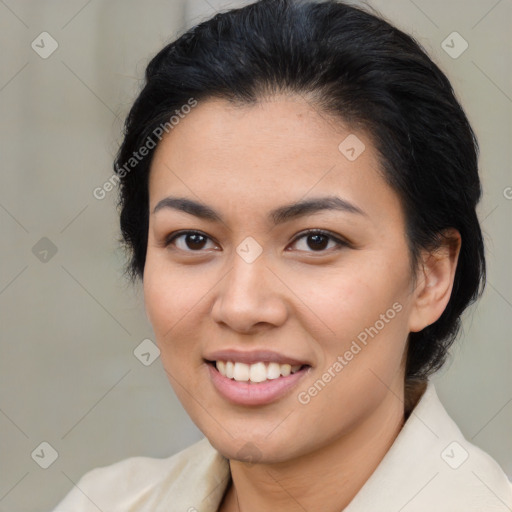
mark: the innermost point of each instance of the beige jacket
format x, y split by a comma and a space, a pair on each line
429, 468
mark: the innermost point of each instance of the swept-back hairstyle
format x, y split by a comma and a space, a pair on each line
356, 67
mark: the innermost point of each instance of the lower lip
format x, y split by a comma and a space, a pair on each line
248, 393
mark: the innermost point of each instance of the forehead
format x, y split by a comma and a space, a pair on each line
276, 151
281, 125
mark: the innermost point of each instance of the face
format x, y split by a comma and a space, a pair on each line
237, 275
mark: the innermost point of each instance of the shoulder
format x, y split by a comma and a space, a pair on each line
432, 466
460, 475
469, 474
144, 483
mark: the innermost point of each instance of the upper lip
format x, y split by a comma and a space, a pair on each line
253, 356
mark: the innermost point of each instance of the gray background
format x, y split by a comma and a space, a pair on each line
69, 320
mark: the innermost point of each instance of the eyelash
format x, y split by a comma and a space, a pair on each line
339, 242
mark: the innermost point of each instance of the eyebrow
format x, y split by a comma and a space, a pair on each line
278, 216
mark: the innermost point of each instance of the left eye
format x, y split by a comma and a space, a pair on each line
317, 240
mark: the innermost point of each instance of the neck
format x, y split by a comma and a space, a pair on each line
326, 479
414, 389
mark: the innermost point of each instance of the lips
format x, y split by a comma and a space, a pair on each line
254, 378
251, 394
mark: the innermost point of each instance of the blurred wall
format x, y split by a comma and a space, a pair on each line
70, 323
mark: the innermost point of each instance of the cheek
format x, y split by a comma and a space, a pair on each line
158, 297
169, 296
173, 306
346, 301
361, 312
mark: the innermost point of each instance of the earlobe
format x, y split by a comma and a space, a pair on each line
435, 281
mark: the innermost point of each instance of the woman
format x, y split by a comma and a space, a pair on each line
298, 194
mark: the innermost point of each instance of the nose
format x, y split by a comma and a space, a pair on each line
250, 298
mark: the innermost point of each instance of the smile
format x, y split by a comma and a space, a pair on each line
255, 373
258, 383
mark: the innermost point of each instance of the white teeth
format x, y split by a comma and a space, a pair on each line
221, 366
273, 371
257, 372
286, 369
241, 372
229, 370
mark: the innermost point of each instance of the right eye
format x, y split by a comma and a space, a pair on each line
191, 241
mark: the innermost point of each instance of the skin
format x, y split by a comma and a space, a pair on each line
294, 298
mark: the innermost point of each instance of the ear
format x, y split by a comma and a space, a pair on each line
435, 281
